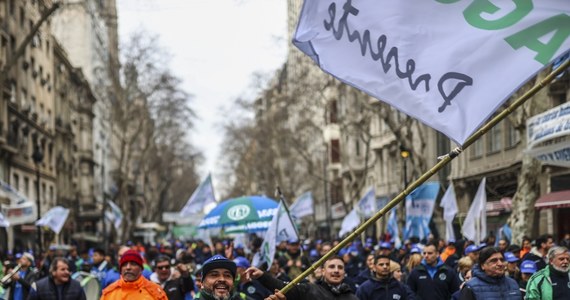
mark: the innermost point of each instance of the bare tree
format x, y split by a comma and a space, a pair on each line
150, 119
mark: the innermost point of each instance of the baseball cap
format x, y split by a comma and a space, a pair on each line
528, 267
218, 262
242, 262
472, 248
416, 249
293, 241
510, 257
385, 245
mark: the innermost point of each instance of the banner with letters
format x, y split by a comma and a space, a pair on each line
450, 64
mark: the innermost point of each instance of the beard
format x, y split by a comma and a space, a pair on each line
561, 269
214, 296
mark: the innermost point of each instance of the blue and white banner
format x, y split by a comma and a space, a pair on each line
303, 206
366, 206
114, 214
349, 223
202, 196
419, 209
393, 229
54, 218
450, 64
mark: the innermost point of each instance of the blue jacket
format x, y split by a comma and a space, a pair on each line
375, 289
442, 285
482, 286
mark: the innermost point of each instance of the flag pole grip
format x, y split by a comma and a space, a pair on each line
438, 166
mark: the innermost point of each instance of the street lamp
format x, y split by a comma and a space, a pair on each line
38, 156
405, 153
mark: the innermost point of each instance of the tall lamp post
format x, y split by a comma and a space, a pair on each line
38, 156
405, 153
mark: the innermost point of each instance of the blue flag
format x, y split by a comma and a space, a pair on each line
419, 209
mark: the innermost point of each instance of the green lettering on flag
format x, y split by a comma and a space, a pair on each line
473, 14
447, 1
530, 36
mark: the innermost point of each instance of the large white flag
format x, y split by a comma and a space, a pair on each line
281, 229
449, 205
303, 206
54, 218
3, 221
202, 196
450, 64
114, 214
366, 206
350, 221
475, 224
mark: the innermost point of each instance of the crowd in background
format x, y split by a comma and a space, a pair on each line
435, 269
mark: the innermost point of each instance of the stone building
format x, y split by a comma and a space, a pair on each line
27, 113
74, 116
87, 30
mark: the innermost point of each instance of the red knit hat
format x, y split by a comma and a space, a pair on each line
131, 256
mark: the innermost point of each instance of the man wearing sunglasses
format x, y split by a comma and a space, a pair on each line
175, 287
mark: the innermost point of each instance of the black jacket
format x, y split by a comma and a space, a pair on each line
26, 282
45, 289
444, 283
176, 289
375, 289
310, 291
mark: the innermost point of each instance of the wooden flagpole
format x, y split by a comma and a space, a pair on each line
444, 160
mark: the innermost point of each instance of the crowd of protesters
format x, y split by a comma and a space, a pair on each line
364, 270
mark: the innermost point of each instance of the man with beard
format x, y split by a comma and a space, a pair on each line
175, 288
552, 282
218, 275
132, 285
58, 284
383, 286
22, 280
331, 286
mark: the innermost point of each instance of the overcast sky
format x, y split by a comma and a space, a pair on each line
216, 46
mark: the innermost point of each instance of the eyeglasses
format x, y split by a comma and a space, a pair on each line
162, 267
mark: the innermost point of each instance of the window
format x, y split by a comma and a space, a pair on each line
357, 147
333, 112
477, 149
16, 183
44, 193
513, 136
22, 16
495, 138
335, 151
11, 7
27, 186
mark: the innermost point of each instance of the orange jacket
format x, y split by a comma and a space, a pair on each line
449, 251
140, 289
